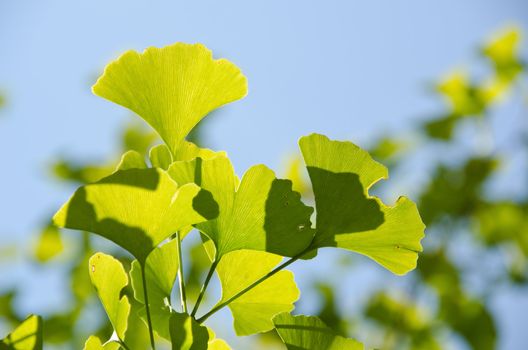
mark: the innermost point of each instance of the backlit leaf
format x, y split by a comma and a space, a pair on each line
160, 157
109, 278
94, 343
161, 271
347, 217
310, 333
253, 311
186, 333
131, 160
261, 213
171, 88
27, 336
136, 208
49, 244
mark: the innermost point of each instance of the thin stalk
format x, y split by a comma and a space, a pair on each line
183, 297
204, 287
254, 284
123, 345
147, 307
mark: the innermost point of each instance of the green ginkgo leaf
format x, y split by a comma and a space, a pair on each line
136, 208
109, 278
161, 271
347, 217
49, 244
216, 343
186, 333
160, 157
131, 160
310, 333
253, 312
94, 343
27, 336
259, 212
172, 88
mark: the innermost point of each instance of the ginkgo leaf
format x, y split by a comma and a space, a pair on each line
161, 271
347, 217
49, 244
186, 333
310, 333
94, 343
160, 157
136, 208
253, 312
131, 160
216, 343
261, 213
27, 336
109, 278
171, 88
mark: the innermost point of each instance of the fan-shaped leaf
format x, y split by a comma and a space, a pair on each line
347, 217
261, 213
253, 311
310, 333
109, 278
27, 336
186, 333
136, 208
171, 88
161, 271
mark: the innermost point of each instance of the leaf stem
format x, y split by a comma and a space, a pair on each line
147, 307
123, 345
254, 284
183, 297
204, 286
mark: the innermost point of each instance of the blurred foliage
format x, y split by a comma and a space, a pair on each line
453, 203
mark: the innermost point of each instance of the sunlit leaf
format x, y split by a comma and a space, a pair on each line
187, 334
136, 208
261, 213
216, 343
347, 217
310, 333
80, 173
160, 157
131, 160
161, 271
49, 244
171, 88
94, 343
253, 311
464, 97
503, 51
27, 336
109, 278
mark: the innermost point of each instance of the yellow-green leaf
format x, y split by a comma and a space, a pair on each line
27, 336
253, 312
136, 208
161, 271
347, 217
94, 343
160, 157
109, 278
260, 213
131, 160
49, 244
171, 88
186, 333
310, 333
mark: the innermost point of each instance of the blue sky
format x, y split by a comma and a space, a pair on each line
348, 69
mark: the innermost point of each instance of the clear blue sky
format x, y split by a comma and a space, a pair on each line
349, 69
